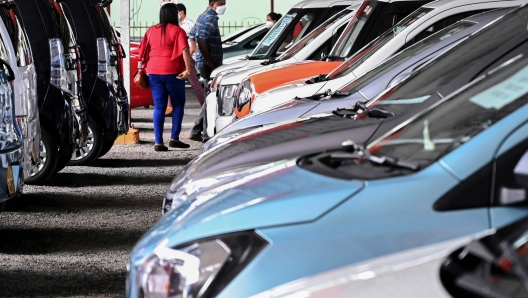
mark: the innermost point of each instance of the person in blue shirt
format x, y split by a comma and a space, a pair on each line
206, 34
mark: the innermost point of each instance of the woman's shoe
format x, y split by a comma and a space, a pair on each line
168, 112
178, 144
160, 148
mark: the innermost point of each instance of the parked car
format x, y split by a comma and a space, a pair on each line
368, 86
255, 93
11, 138
17, 53
366, 120
100, 77
245, 43
371, 19
62, 108
240, 31
306, 14
453, 170
473, 266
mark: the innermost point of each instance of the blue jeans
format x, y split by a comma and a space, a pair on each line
162, 87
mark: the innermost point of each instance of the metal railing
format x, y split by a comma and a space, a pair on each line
137, 30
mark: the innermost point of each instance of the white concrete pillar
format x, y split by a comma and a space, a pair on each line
125, 41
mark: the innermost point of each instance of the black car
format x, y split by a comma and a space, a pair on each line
62, 107
486, 50
102, 79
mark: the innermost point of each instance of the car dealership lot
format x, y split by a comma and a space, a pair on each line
73, 236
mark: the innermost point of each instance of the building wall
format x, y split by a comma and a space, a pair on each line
146, 12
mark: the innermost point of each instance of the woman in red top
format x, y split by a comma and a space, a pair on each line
167, 62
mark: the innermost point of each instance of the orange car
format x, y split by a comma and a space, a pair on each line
138, 96
266, 80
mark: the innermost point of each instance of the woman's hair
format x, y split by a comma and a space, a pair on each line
275, 16
168, 15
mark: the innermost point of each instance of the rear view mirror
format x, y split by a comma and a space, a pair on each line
510, 196
521, 171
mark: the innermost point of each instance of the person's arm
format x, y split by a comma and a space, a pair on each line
187, 60
202, 45
203, 37
193, 47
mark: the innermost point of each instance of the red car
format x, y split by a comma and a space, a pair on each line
138, 97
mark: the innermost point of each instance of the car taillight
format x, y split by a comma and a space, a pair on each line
103, 61
22, 123
58, 64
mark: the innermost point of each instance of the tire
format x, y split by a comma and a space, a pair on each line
95, 141
49, 156
65, 154
107, 146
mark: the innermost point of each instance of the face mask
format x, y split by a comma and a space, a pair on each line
220, 10
269, 24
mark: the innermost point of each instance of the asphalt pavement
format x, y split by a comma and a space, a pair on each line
73, 237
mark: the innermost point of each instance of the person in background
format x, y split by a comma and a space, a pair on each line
206, 34
272, 18
167, 61
187, 25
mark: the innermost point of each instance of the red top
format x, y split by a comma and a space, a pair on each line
165, 53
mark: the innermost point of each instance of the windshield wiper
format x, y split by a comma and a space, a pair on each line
335, 58
318, 79
355, 151
253, 57
361, 108
327, 93
270, 61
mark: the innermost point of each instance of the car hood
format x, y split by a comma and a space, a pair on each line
261, 200
290, 110
281, 141
235, 64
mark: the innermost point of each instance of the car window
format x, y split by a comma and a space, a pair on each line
404, 56
370, 49
246, 35
313, 35
233, 35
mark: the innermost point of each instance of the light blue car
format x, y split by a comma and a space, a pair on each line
456, 169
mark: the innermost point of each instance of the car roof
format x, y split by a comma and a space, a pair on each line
323, 3
440, 3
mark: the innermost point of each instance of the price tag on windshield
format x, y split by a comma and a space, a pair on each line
278, 30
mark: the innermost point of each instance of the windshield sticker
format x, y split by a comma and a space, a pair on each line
277, 31
504, 93
405, 101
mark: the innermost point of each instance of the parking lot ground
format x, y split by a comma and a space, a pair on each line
73, 237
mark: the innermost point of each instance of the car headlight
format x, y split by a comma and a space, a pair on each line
244, 93
218, 79
201, 268
225, 97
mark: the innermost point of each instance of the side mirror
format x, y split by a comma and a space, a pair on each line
521, 171
510, 196
11, 74
254, 43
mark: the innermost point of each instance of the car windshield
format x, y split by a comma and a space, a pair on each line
458, 119
246, 35
347, 39
314, 34
370, 49
406, 55
233, 35
289, 30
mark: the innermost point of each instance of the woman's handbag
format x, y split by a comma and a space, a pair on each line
141, 78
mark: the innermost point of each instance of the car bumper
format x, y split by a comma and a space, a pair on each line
11, 174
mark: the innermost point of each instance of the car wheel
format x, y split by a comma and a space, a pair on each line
47, 161
65, 154
94, 144
107, 146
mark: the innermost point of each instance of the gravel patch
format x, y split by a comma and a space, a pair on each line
73, 237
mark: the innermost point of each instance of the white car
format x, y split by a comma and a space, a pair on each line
314, 46
425, 21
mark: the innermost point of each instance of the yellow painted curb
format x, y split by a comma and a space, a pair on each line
131, 138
